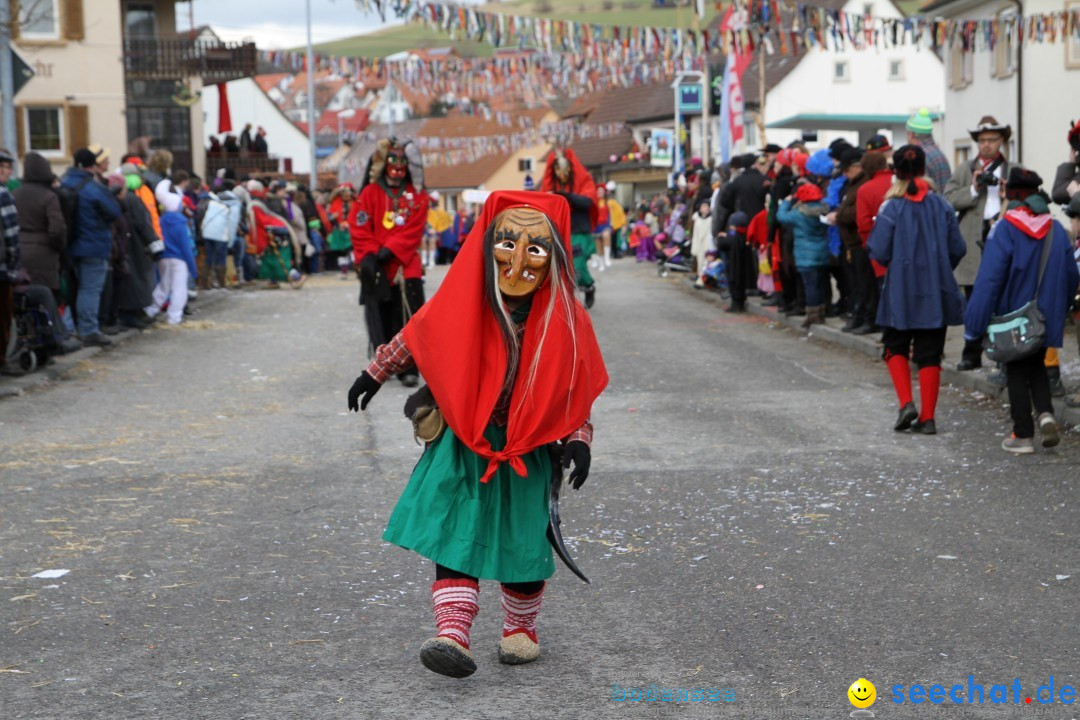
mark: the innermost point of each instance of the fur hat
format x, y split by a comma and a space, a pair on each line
990, 124
820, 163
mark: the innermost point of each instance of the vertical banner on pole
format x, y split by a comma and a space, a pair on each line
731, 104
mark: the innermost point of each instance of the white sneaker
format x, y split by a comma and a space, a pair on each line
1048, 428
1020, 446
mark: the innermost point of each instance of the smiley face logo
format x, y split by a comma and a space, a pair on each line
862, 693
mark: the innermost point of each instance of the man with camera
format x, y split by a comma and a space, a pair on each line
975, 193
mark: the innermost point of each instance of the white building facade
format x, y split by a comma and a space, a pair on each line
852, 93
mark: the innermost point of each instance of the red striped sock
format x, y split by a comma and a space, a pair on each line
900, 372
456, 604
929, 383
521, 611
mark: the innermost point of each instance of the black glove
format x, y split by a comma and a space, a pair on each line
384, 255
580, 455
365, 385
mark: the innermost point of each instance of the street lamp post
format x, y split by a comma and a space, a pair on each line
311, 102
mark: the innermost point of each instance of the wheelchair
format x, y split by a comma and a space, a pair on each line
32, 340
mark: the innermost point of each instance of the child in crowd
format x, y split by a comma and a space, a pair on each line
177, 262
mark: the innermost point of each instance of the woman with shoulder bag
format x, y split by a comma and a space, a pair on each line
1019, 268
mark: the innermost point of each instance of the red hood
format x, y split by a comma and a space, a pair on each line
457, 345
581, 182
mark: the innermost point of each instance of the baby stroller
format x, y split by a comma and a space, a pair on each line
32, 338
674, 256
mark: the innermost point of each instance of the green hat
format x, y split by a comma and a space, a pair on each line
921, 123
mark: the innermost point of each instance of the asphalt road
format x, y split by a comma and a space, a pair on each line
751, 523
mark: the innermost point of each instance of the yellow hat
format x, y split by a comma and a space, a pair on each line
101, 153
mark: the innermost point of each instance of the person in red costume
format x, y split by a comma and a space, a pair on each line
565, 175
387, 226
512, 368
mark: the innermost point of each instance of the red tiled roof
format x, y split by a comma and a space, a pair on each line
594, 152
463, 175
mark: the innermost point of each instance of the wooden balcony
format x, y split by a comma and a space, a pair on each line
253, 164
168, 58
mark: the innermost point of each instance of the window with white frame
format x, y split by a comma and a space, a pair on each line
842, 71
39, 19
896, 69
962, 155
525, 164
961, 67
45, 130
1005, 54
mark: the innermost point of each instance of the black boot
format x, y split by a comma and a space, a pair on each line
971, 357
735, 307
908, 414
796, 311
1057, 388
590, 296
853, 322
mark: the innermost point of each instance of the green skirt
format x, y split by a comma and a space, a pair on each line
492, 531
583, 246
339, 241
275, 266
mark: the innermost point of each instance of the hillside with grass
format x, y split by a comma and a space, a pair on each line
608, 12
637, 13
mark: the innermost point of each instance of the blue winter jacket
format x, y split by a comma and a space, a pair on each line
1009, 272
811, 243
178, 244
833, 196
919, 242
96, 212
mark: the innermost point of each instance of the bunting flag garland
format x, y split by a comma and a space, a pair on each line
437, 150
541, 56
768, 22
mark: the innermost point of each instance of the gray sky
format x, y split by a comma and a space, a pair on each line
279, 23
275, 24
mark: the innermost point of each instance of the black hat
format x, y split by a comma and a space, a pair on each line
1021, 183
850, 156
85, 157
878, 143
909, 162
837, 148
771, 148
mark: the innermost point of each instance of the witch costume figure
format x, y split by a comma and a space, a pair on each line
512, 369
565, 175
387, 224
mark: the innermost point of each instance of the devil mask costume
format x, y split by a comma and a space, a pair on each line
513, 366
386, 224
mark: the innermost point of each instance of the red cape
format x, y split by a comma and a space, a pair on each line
581, 181
458, 348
